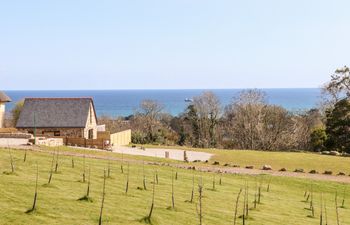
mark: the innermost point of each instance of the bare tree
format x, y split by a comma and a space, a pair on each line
243, 116
151, 108
208, 107
338, 87
148, 119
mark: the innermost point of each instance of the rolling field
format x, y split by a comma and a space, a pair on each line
58, 203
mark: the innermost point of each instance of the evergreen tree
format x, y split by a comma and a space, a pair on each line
338, 126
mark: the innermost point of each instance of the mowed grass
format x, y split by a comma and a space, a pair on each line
289, 160
58, 202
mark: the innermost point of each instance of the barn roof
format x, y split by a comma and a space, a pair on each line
55, 112
4, 97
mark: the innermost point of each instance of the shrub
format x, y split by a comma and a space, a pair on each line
299, 170
313, 172
328, 172
318, 138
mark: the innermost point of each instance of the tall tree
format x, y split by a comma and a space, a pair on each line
192, 117
338, 126
251, 123
208, 108
243, 116
337, 88
150, 112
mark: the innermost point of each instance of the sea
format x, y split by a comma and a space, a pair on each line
116, 103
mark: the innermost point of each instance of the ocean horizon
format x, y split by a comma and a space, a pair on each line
117, 103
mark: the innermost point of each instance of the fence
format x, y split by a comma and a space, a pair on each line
8, 130
87, 143
104, 135
104, 140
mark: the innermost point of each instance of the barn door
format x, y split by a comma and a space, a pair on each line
91, 134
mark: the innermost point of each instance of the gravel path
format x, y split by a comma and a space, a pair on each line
161, 153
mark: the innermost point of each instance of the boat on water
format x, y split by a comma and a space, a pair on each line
188, 100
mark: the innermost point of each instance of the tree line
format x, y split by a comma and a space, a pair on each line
247, 122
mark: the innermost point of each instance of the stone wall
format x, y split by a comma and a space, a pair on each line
15, 135
52, 132
52, 142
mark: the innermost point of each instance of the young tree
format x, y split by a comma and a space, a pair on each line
36, 191
103, 197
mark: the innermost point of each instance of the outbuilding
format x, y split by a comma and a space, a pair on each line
60, 117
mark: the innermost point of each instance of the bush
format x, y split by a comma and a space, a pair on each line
299, 170
138, 138
16, 111
328, 172
318, 138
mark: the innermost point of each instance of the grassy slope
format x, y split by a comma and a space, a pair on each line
57, 203
278, 160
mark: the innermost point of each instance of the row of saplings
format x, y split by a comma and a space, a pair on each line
308, 195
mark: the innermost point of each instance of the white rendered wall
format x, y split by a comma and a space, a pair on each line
2, 114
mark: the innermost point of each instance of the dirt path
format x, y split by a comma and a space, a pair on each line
204, 168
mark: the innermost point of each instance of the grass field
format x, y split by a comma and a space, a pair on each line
278, 160
58, 202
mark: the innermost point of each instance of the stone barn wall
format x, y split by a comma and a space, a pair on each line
56, 132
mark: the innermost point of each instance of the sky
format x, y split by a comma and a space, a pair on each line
179, 44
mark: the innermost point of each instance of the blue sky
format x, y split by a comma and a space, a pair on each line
71, 44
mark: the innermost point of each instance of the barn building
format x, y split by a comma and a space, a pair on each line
64, 117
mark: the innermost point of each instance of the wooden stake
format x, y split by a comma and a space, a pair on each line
103, 197
236, 207
172, 190
127, 181
152, 206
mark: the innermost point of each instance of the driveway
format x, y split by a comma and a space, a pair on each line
162, 153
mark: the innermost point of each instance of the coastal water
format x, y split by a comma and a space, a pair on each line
126, 102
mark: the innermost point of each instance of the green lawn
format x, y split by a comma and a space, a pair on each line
289, 160
58, 202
